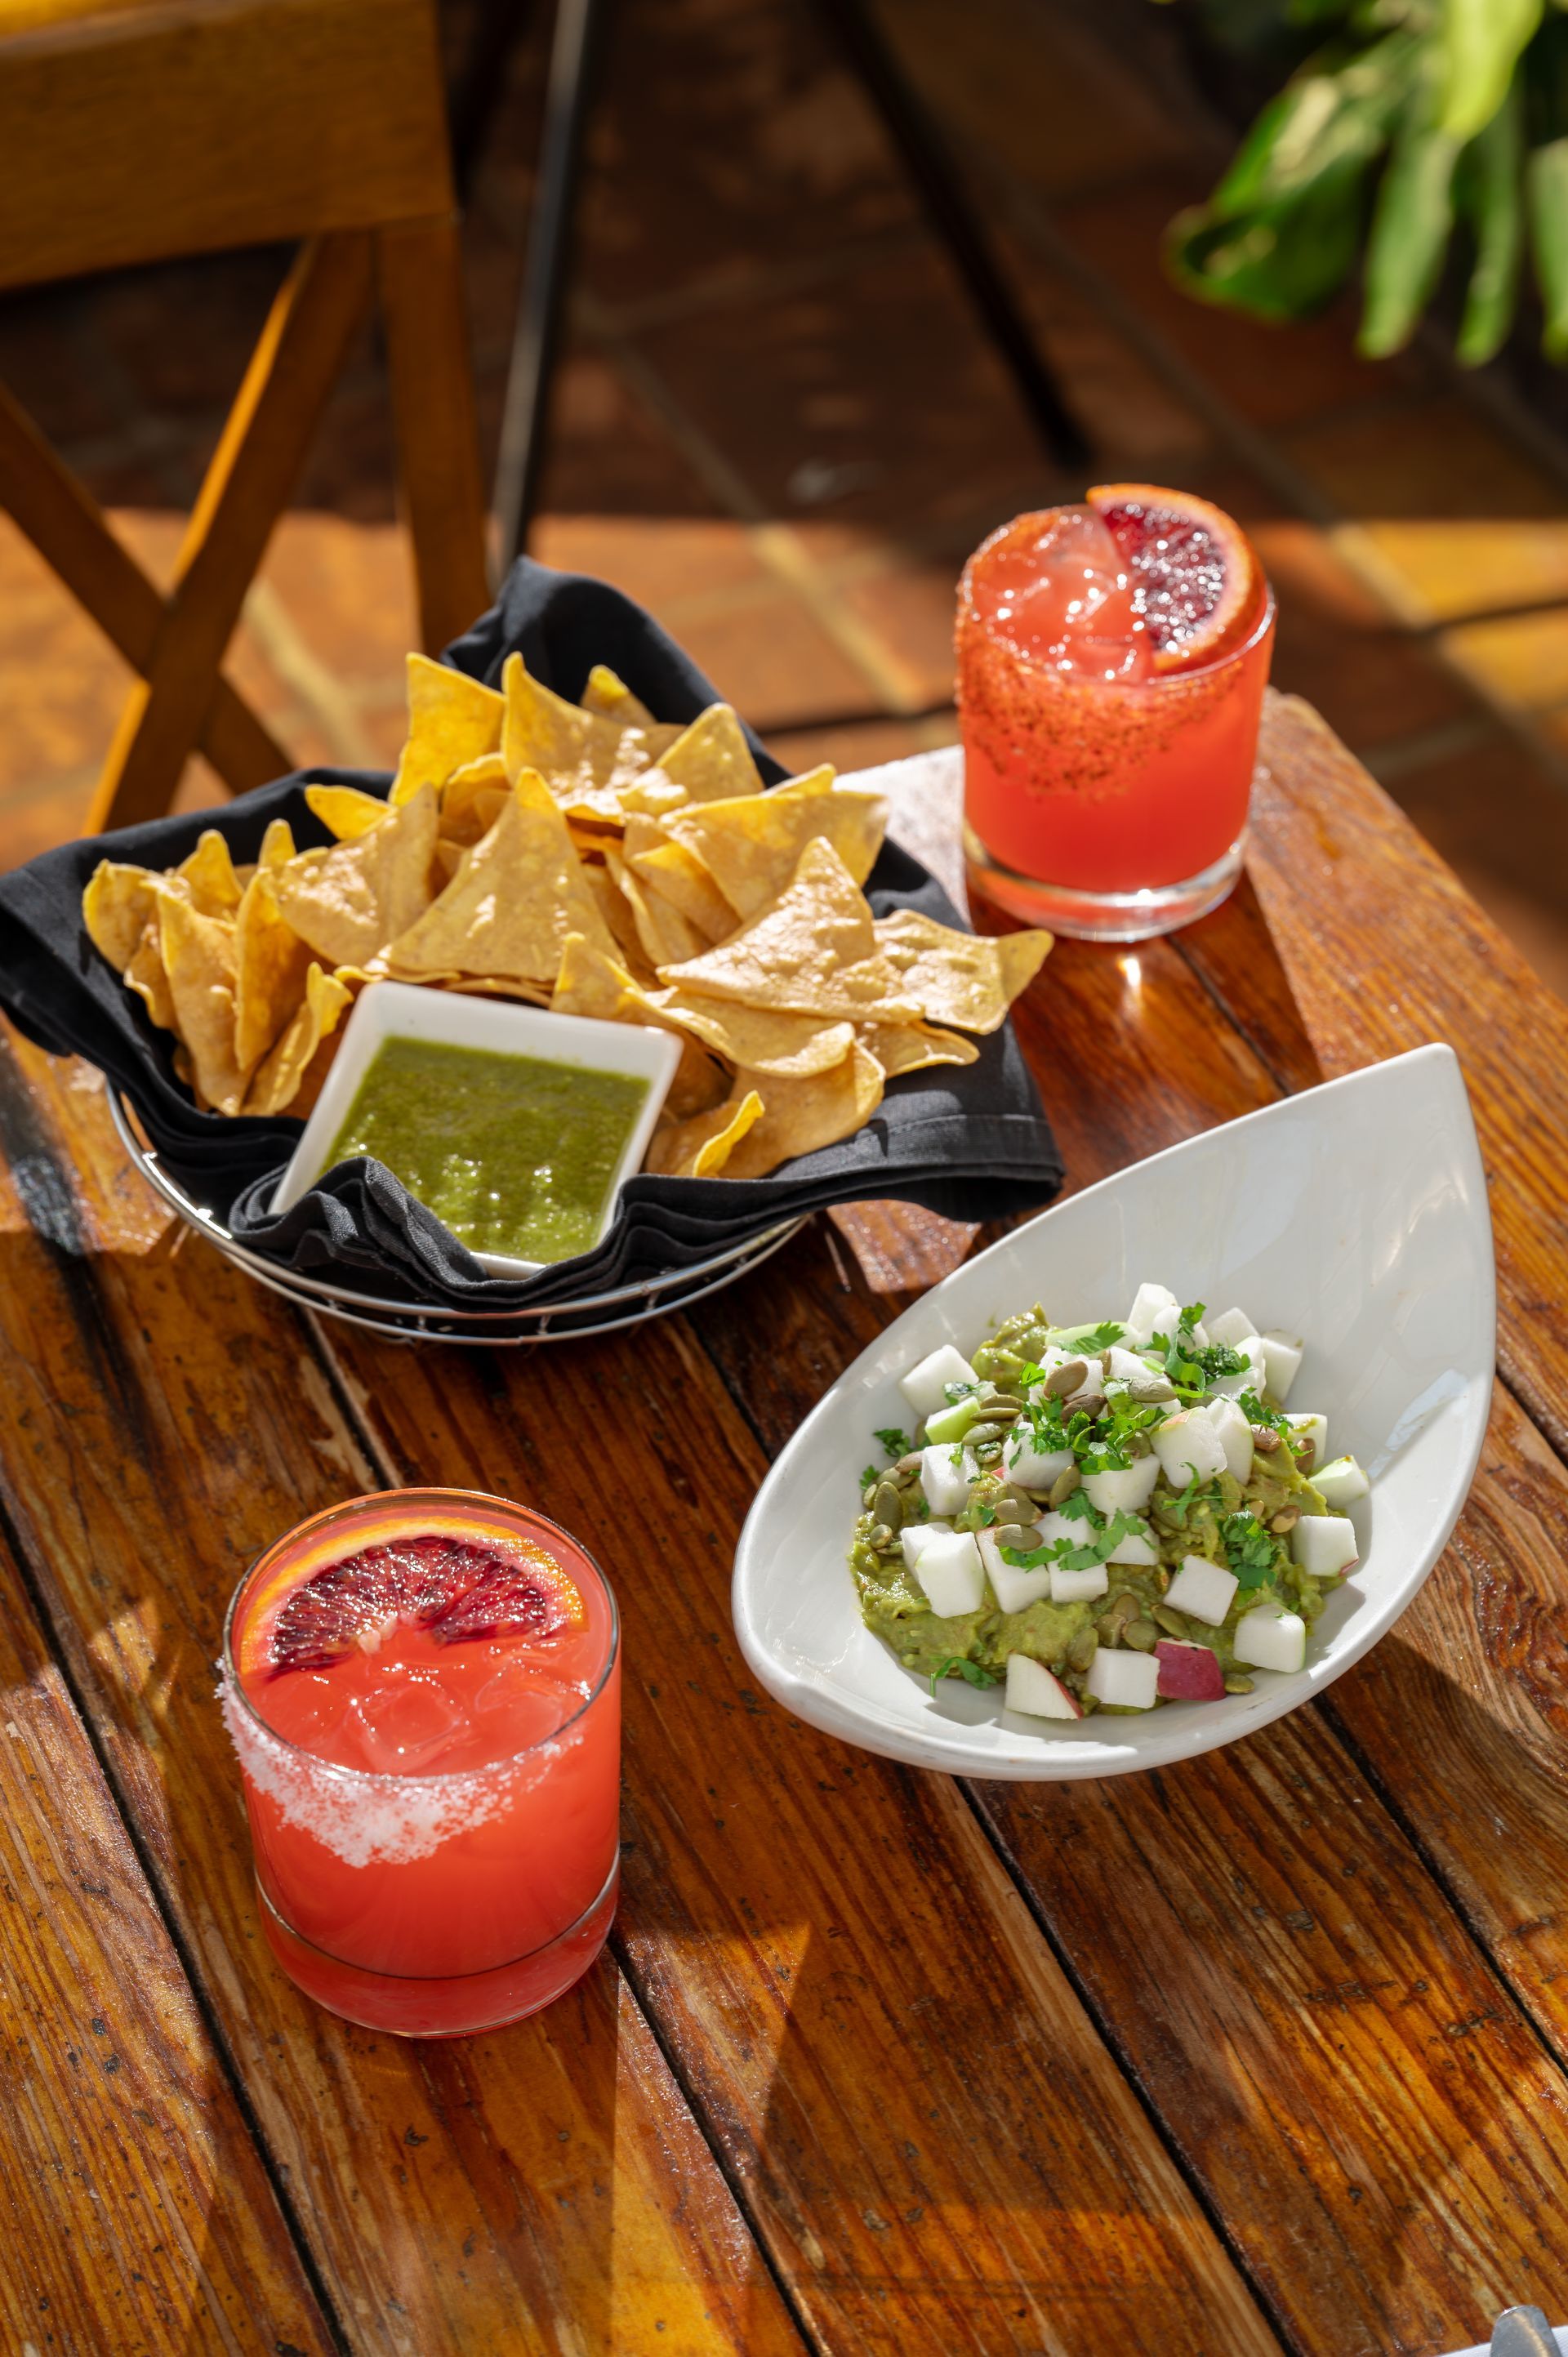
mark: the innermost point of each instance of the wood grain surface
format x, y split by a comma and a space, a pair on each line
1262, 2052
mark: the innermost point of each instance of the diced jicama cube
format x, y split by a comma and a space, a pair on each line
1268, 1639
1310, 1427
951, 1572
1341, 1484
1032, 1468
1187, 1445
1069, 1587
1126, 1681
1235, 1435
1126, 1366
1282, 1360
1125, 1489
1014, 1589
1055, 1357
1189, 1672
1231, 1326
1138, 1546
950, 1424
914, 1538
1155, 1311
1325, 1544
1250, 1376
1032, 1689
1205, 1589
945, 1476
925, 1386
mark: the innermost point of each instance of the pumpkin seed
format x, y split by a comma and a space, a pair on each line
1238, 1685
1149, 1389
1014, 1535
1092, 1407
1306, 1455
1286, 1519
868, 1495
1014, 1505
1063, 1380
980, 1432
1064, 1485
907, 1467
888, 1505
1265, 1438
879, 1536
1141, 1635
1083, 1649
1170, 1619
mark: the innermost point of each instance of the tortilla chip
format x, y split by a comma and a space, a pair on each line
758, 1038
590, 984
270, 964
115, 907
812, 951
654, 795
663, 932
277, 843
611, 698
711, 758
911, 1047
473, 797
208, 875
346, 811
451, 719
699, 1148
802, 1115
750, 847
619, 922
198, 954
350, 902
967, 979
818, 780
278, 1080
510, 906
679, 876
582, 758
145, 975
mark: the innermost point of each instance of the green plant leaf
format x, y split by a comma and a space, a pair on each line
1482, 42
1489, 191
1547, 194
1411, 224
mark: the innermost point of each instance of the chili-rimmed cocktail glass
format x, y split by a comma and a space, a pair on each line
1105, 796
423, 1691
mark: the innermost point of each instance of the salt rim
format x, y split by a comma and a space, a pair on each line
367, 1818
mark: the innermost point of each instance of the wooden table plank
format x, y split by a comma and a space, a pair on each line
1376, 947
1225, 2082
924, 2125
161, 1418
138, 2216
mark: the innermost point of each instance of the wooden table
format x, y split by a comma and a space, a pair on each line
1265, 2052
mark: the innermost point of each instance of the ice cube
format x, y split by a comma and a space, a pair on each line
406, 1722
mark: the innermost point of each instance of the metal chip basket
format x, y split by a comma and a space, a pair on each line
403, 1321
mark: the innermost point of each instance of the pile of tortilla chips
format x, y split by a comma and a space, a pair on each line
587, 859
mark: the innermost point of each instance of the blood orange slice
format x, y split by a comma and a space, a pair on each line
453, 1587
1197, 581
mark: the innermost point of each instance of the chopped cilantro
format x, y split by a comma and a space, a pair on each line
1103, 1336
897, 1443
1253, 1408
1218, 1360
1179, 1508
869, 1477
953, 1392
959, 1665
1248, 1548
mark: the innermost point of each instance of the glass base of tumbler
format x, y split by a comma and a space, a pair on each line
1101, 916
457, 2004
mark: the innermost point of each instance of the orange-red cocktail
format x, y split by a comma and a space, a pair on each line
1111, 662
423, 1690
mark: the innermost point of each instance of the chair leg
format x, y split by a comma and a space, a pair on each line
957, 224
67, 529
572, 57
296, 363
438, 436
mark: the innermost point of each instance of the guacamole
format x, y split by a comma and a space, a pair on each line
515, 1154
1107, 1517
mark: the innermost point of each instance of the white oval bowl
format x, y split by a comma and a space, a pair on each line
1354, 1214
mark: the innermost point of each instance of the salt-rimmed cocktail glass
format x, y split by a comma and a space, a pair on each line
433, 1905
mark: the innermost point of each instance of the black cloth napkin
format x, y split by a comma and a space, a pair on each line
968, 1141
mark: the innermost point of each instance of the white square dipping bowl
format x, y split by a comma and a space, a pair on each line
1355, 1215
401, 1010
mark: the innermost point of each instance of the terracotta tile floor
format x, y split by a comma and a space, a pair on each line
777, 424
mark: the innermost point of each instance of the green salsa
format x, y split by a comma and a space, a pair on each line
515, 1154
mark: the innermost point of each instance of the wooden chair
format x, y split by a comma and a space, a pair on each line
140, 130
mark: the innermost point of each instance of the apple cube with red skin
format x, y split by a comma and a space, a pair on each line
1189, 1672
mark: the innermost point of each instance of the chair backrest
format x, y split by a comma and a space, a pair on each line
136, 132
